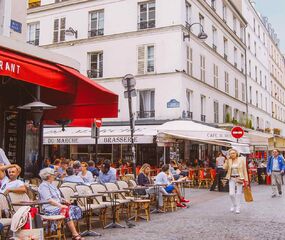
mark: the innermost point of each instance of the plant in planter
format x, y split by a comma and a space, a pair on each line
228, 118
267, 130
277, 131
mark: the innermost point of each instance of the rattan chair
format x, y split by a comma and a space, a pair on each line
5, 216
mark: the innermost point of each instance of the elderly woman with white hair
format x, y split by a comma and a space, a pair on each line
57, 205
237, 176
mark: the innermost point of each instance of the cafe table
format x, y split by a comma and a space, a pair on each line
87, 200
30, 203
114, 197
181, 185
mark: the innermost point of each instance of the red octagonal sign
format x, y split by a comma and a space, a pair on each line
98, 122
237, 132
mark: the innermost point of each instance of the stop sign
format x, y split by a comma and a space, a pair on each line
98, 122
237, 132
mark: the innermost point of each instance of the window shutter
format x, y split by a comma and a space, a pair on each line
188, 60
62, 29
55, 30
141, 59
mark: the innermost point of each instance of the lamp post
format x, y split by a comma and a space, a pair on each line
202, 35
129, 83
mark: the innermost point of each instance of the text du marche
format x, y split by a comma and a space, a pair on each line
9, 67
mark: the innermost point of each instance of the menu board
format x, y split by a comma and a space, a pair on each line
11, 135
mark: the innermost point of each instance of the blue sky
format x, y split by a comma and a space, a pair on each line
274, 10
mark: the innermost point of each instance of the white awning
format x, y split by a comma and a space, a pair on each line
258, 138
108, 135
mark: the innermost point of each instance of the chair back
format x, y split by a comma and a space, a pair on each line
35, 181
56, 183
122, 184
4, 206
132, 183
83, 189
67, 192
17, 197
69, 184
96, 188
111, 186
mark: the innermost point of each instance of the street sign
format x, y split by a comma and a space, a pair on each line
237, 132
98, 122
16, 26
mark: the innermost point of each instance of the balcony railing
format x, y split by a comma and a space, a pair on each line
214, 47
225, 56
96, 32
94, 73
34, 42
145, 114
146, 25
203, 118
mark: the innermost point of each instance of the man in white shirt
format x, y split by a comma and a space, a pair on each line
13, 184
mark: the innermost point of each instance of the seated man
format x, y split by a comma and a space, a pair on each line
93, 169
162, 178
13, 184
71, 177
107, 174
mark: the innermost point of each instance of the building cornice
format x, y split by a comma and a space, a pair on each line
259, 109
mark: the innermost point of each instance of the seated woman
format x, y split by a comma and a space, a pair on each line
57, 205
86, 175
144, 179
162, 178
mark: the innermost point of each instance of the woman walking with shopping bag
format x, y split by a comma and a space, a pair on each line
237, 177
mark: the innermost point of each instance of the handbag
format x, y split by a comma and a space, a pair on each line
247, 194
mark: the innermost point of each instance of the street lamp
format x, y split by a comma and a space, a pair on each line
202, 35
129, 84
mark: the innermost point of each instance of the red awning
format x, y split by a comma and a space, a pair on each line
75, 95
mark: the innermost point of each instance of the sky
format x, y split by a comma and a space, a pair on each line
274, 10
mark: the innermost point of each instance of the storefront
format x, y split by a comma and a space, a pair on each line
53, 89
114, 143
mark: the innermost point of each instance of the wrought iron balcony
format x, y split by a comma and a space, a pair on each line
96, 32
146, 25
203, 118
95, 73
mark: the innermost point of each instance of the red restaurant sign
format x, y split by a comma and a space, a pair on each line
237, 132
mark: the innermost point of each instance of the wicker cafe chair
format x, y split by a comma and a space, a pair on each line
132, 183
16, 197
203, 179
5, 215
123, 185
96, 205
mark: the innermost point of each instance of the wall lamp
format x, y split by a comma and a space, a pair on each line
202, 35
71, 32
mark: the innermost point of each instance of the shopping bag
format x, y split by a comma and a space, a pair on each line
247, 194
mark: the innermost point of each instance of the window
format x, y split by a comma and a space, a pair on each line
96, 65
202, 68
235, 56
216, 112
260, 78
234, 24
250, 95
202, 21
242, 62
258, 29
145, 59
256, 96
189, 98
59, 30
255, 69
96, 23
216, 76
265, 82
261, 101
189, 55
213, 4
249, 68
255, 48
146, 104
225, 48
203, 104
243, 92
188, 12
227, 82
254, 24
241, 33
224, 12
266, 104
34, 33
214, 35
146, 15
236, 88
248, 41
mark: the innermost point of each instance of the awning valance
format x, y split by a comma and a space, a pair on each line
75, 95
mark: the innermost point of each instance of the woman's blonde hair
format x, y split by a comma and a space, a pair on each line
144, 166
233, 149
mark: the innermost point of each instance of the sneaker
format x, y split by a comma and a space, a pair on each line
237, 211
183, 200
178, 204
280, 193
232, 209
273, 196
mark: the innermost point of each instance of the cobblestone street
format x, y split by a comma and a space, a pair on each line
209, 218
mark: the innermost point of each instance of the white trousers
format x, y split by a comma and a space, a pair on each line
235, 190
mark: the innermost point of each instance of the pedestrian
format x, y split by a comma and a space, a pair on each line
220, 160
237, 176
275, 169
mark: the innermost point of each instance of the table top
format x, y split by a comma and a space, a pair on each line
136, 188
30, 203
156, 185
114, 191
93, 195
